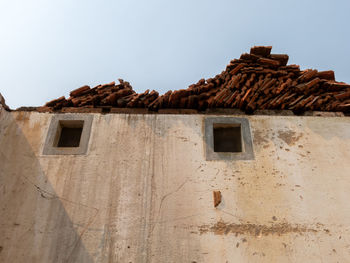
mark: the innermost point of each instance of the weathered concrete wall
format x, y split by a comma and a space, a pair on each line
144, 192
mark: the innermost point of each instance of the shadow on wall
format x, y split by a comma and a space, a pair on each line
35, 226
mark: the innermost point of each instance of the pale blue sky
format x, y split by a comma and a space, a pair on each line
50, 47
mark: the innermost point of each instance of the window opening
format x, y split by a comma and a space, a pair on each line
69, 133
227, 137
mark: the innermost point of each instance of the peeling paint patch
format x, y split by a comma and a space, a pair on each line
223, 228
289, 137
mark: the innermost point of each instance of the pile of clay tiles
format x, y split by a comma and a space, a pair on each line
257, 81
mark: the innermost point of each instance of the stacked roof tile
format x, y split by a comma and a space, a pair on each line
256, 81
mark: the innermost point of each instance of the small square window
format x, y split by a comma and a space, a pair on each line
69, 133
227, 138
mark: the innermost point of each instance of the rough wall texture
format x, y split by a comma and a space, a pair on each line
144, 192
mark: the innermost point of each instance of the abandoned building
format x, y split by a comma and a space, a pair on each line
251, 165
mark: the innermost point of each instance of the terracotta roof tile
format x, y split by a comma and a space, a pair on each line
257, 81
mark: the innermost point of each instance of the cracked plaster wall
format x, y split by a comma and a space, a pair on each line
143, 192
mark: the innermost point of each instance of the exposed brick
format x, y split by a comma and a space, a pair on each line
81, 110
130, 110
282, 58
269, 62
79, 91
177, 111
307, 75
261, 50
54, 102
343, 95
237, 69
44, 109
216, 198
329, 75
305, 86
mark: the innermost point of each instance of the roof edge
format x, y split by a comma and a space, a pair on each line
177, 111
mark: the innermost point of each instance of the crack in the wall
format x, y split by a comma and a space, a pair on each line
45, 195
76, 244
163, 199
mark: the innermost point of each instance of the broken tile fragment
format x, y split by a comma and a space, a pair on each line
217, 198
261, 50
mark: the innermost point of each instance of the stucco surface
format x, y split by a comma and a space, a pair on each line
144, 192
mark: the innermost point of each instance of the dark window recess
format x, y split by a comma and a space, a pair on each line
227, 138
69, 133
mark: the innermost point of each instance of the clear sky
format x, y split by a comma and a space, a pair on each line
50, 47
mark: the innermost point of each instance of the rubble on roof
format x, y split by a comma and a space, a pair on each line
256, 81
